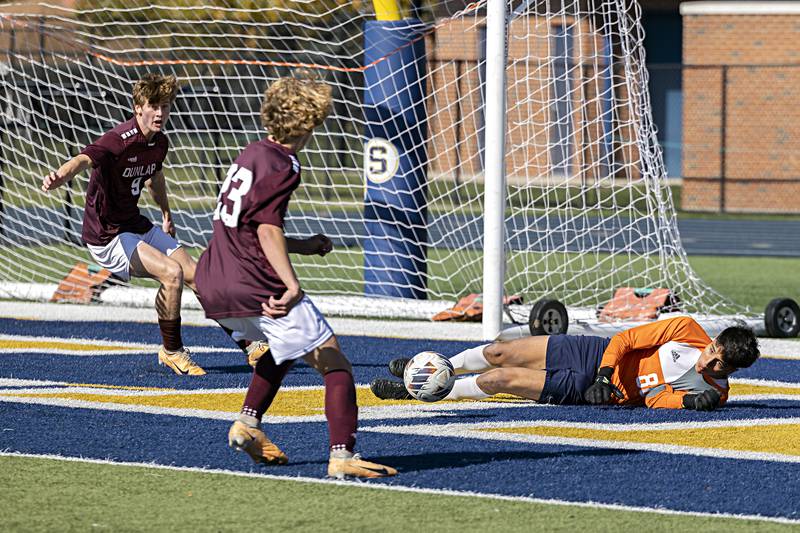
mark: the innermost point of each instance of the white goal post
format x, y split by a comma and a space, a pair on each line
496, 147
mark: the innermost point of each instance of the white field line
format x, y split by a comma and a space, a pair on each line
366, 485
11, 389
50, 387
593, 426
752, 397
765, 383
478, 431
13, 382
410, 411
153, 410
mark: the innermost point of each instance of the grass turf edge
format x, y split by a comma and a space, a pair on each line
47, 494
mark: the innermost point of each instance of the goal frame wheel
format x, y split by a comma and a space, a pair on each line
548, 317
782, 318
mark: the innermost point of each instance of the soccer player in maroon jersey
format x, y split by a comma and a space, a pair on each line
119, 238
246, 281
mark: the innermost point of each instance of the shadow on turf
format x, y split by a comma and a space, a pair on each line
299, 368
433, 461
229, 369
765, 406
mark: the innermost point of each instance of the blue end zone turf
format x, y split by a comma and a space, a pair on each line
636, 477
627, 477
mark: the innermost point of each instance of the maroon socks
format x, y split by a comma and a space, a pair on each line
266, 381
341, 409
171, 333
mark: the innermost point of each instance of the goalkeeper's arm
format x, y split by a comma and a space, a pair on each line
708, 400
601, 390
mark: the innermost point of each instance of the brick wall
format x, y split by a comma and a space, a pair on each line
454, 104
741, 118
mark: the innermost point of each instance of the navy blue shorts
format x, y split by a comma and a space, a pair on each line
572, 363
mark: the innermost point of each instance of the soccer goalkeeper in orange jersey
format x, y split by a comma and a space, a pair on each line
669, 364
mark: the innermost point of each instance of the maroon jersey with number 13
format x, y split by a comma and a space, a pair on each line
233, 274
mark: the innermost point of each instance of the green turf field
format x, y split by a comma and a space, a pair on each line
53, 495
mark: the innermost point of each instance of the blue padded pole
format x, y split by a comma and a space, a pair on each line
395, 160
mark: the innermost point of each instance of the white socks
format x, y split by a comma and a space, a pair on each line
338, 451
471, 360
467, 389
249, 420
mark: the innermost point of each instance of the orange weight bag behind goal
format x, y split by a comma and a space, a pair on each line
638, 304
83, 284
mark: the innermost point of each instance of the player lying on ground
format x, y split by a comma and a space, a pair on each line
247, 283
666, 364
118, 236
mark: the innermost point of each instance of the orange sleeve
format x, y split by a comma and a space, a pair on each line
666, 399
654, 334
672, 399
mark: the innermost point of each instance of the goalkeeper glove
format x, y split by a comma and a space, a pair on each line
705, 401
601, 390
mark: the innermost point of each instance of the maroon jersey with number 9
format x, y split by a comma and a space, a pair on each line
123, 160
233, 275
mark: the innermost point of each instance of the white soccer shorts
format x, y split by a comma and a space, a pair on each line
290, 337
116, 255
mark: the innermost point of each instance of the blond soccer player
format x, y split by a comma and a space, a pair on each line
247, 283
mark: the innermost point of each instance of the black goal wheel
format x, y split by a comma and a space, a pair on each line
782, 318
548, 317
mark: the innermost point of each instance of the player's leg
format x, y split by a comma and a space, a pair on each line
469, 361
188, 265
522, 382
542, 368
527, 352
513, 367
147, 261
245, 434
341, 411
253, 350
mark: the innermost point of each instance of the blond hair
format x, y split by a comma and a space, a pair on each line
155, 89
293, 107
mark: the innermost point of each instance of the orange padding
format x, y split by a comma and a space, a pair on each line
83, 284
627, 305
470, 309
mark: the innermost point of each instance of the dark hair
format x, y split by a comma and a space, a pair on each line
739, 346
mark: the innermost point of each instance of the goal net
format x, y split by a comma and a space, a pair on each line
395, 176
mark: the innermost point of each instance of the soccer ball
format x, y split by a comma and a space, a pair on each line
429, 376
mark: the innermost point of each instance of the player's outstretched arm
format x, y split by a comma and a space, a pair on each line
66, 172
316, 245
